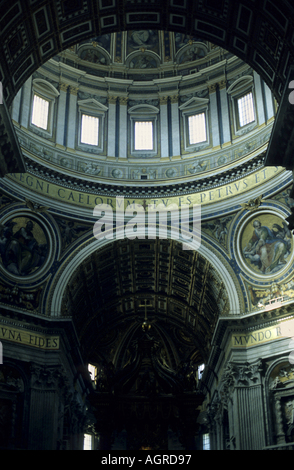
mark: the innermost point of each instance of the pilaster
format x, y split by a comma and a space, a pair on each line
224, 111
111, 126
44, 407
72, 114
269, 102
123, 116
259, 100
163, 127
175, 125
214, 115
16, 106
242, 386
26, 104
52, 401
61, 111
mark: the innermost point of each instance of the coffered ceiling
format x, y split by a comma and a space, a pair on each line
182, 292
260, 31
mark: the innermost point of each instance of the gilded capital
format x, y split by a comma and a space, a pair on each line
123, 100
163, 99
63, 86
112, 99
174, 98
212, 88
222, 84
73, 90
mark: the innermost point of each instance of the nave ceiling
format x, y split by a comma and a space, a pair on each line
183, 293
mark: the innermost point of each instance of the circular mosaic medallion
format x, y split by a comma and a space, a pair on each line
25, 246
265, 244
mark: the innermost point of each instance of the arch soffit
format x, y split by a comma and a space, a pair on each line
19, 59
218, 262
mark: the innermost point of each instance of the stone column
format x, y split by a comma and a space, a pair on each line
26, 103
225, 115
111, 126
214, 116
175, 126
123, 127
71, 117
61, 111
164, 150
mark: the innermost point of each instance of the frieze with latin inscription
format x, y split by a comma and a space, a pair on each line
71, 196
29, 338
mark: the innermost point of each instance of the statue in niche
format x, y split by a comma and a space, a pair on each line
23, 246
289, 412
267, 249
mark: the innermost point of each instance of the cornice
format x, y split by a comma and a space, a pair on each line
160, 189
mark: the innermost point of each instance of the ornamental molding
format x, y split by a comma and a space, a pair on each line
161, 189
240, 375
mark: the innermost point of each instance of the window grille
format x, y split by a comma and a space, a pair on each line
40, 112
246, 109
197, 128
143, 135
90, 129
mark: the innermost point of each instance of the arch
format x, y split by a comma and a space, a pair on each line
197, 51
91, 54
27, 41
139, 54
58, 288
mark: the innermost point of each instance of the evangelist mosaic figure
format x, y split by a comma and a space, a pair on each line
20, 251
268, 248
